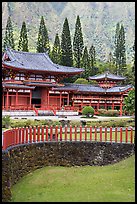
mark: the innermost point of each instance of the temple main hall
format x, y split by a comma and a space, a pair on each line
31, 81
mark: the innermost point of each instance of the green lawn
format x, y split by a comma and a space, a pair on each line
112, 183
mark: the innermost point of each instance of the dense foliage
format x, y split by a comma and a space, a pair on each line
129, 102
8, 39
23, 40
78, 43
66, 45
88, 111
43, 39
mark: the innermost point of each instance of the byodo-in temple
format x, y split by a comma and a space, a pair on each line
31, 81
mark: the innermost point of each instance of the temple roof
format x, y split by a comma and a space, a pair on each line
17, 86
39, 62
115, 89
92, 88
107, 76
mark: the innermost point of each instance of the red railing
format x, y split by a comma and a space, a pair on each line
34, 134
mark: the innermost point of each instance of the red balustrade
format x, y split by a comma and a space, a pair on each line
23, 135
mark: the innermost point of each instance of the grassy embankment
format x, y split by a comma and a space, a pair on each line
112, 183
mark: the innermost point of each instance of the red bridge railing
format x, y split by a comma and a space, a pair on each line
34, 134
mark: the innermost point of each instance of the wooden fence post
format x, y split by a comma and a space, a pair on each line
120, 134
38, 134
100, 133
75, 130
56, 133
34, 134
110, 134
66, 132
131, 138
42, 134
61, 133
115, 134
46, 133
70, 132
105, 134
51, 132
95, 128
90, 133
85, 132
80, 133
30, 134
23, 135
126, 134
26, 134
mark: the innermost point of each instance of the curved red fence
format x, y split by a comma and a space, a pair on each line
26, 135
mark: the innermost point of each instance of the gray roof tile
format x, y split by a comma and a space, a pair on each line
107, 75
37, 61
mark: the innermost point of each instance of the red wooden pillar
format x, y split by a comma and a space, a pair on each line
48, 96
60, 99
120, 108
3, 101
97, 105
7, 99
30, 98
17, 98
112, 105
68, 99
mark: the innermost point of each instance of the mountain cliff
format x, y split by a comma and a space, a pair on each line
98, 21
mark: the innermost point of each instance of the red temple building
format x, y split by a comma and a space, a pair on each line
31, 81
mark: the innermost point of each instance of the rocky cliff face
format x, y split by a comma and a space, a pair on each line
98, 20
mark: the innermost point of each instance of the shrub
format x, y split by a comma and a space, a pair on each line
6, 122
104, 112
88, 111
81, 81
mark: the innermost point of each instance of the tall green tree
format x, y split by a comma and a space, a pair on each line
129, 102
116, 46
120, 50
78, 44
86, 63
8, 39
56, 51
133, 67
43, 39
23, 40
92, 59
66, 46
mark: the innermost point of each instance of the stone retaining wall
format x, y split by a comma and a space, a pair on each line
19, 160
